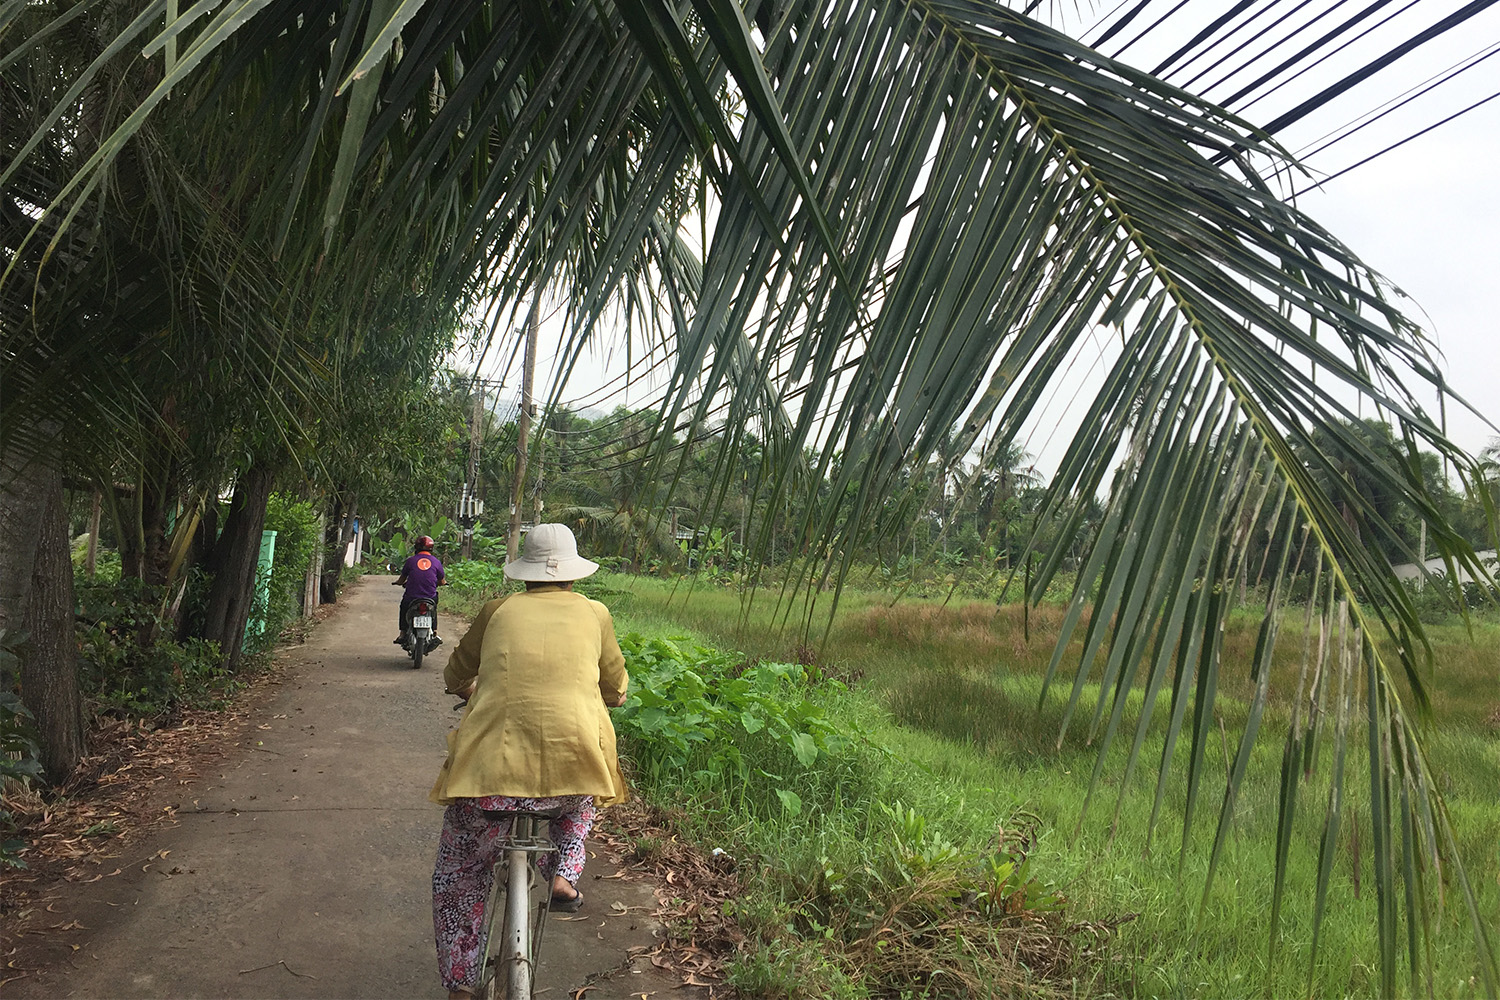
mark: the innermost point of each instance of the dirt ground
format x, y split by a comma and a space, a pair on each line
299, 864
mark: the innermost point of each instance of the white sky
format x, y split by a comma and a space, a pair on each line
1424, 215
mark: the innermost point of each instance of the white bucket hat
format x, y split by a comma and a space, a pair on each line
550, 555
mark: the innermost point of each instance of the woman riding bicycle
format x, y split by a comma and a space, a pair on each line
539, 670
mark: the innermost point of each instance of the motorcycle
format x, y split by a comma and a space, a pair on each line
419, 639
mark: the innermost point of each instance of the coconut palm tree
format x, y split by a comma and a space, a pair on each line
916, 214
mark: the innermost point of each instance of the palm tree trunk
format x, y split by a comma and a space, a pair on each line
49, 667
23, 497
233, 590
156, 499
333, 557
144, 542
313, 589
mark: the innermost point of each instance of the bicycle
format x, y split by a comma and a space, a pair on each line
509, 958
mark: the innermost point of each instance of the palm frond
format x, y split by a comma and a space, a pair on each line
927, 214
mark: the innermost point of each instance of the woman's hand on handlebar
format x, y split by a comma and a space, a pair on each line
618, 701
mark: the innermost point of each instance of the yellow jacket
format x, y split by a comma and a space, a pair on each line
537, 726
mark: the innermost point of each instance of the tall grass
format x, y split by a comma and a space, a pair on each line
953, 692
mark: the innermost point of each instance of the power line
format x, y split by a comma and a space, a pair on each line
1292, 34
1324, 57
1397, 145
1371, 68
1117, 26
1249, 23
1396, 103
1203, 35
1144, 31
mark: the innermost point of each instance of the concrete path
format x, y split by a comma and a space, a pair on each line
303, 869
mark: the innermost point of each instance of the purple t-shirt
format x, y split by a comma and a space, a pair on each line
423, 573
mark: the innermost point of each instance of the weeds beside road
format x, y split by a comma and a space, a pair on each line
945, 730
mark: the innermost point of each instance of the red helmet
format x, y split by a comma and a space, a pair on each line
424, 544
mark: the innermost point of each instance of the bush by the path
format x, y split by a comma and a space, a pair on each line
850, 891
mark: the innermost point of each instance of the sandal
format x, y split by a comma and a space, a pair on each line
566, 904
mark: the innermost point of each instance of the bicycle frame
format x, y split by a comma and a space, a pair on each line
513, 962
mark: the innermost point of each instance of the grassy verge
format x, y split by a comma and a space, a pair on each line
950, 694
860, 879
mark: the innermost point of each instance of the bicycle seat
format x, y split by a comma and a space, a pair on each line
546, 814
528, 828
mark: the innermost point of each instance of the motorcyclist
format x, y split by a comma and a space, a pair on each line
421, 575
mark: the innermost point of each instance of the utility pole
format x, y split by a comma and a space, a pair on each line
1422, 557
536, 476
93, 551
471, 480
523, 432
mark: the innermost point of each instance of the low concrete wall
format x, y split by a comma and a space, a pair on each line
1410, 571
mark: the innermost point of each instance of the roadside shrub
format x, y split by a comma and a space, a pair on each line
1437, 604
447, 535
696, 715
472, 583
130, 663
19, 753
106, 561
847, 890
896, 909
296, 528
474, 578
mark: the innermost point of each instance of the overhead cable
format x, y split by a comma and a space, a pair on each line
1228, 38
1149, 28
1371, 68
1213, 26
1272, 46
1119, 25
1306, 51
1370, 117
1397, 145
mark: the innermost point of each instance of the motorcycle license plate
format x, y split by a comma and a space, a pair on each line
422, 621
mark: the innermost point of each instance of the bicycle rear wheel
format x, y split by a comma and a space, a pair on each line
489, 986
511, 933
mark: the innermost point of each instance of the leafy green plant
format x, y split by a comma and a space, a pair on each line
19, 753
392, 550
106, 562
851, 888
297, 538
1436, 602
474, 578
486, 547
129, 663
692, 709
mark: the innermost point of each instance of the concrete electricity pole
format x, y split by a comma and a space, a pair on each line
471, 480
523, 432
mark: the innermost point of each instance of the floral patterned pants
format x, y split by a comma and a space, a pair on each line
470, 845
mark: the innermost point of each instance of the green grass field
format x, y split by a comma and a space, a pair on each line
951, 691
